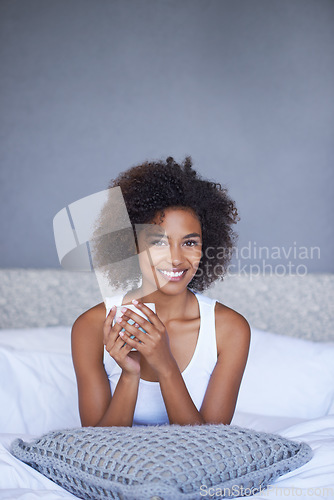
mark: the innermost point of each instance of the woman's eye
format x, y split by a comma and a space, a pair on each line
158, 243
191, 243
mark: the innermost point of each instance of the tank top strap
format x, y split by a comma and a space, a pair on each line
198, 372
207, 309
203, 299
207, 334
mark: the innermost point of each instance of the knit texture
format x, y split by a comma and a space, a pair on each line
168, 462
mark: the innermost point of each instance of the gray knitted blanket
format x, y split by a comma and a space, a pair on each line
168, 462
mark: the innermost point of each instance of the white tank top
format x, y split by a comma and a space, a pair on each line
150, 407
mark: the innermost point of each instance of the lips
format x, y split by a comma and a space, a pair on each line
173, 275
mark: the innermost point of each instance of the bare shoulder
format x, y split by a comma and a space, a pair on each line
88, 327
231, 327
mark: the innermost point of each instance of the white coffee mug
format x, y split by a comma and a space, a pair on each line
151, 305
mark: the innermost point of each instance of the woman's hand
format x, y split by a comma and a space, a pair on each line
154, 344
118, 349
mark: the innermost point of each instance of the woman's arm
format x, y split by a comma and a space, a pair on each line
96, 405
179, 404
233, 339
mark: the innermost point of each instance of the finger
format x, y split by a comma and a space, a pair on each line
131, 329
151, 315
122, 346
110, 316
131, 342
107, 324
125, 349
131, 338
111, 332
136, 318
114, 347
133, 334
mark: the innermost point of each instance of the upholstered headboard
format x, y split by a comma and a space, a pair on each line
300, 306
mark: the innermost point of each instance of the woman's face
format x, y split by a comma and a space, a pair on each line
170, 250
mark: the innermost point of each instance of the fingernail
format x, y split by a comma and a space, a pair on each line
135, 301
119, 320
136, 325
123, 309
121, 334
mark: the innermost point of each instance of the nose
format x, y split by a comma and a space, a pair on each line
175, 257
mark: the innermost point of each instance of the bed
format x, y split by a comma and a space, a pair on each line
288, 385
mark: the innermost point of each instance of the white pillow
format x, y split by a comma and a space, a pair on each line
38, 391
46, 339
286, 376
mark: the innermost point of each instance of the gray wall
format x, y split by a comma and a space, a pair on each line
246, 87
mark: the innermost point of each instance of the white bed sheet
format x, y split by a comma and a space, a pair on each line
36, 372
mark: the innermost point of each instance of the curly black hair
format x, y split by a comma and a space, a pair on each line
153, 186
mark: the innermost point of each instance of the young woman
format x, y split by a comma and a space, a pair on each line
190, 358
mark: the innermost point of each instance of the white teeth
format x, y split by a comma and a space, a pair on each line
171, 274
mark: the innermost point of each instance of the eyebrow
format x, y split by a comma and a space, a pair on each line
163, 235
191, 235
156, 235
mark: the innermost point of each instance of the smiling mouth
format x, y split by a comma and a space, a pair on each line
173, 275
